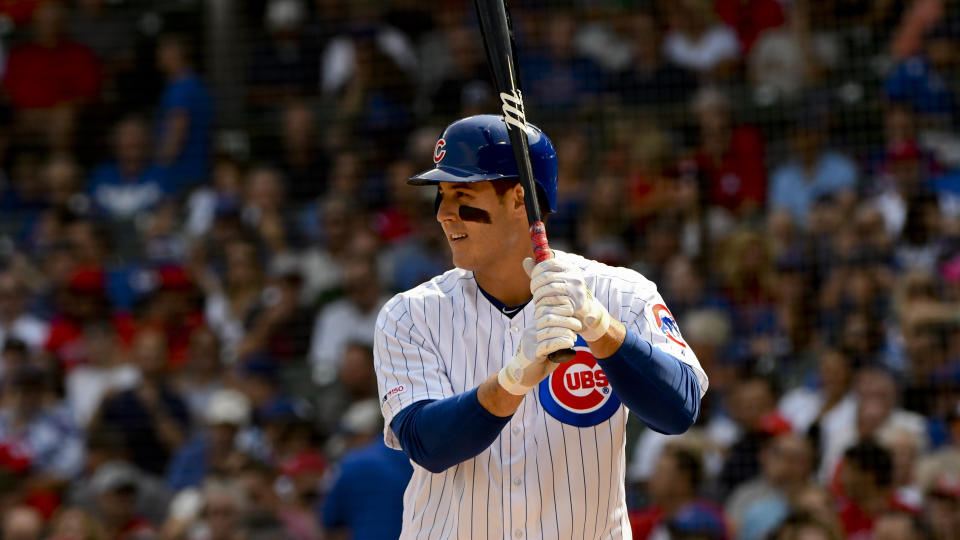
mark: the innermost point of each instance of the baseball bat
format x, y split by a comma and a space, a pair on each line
501, 50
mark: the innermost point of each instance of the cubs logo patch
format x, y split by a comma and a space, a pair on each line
439, 151
667, 324
578, 392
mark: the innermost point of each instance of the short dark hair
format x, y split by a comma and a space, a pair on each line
688, 463
870, 457
798, 520
503, 185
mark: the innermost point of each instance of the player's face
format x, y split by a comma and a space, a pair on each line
480, 225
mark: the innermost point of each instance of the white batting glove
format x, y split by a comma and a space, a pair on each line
529, 365
555, 279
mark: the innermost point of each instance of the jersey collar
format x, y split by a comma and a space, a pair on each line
509, 311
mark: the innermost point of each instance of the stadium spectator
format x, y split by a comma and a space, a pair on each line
202, 375
214, 450
866, 484
557, 78
875, 407
350, 318
729, 158
229, 305
698, 42
284, 62
152, 415
649, 80
356, 381
129, 185
22, 523
84, 309
34, 427
752, 406
463, 87
939, 479
15, 322
899, 525
786, 464
786, 60
805, 406
110, 34
813, 170
801, 525
370, 478
301, 157
919, 80
184, 116
673, 492
51, 78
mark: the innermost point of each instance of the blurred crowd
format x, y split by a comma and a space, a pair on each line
187, 296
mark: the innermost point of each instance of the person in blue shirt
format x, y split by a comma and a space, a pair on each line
185, 115
128, 185
922, 82
813, 170
366, 497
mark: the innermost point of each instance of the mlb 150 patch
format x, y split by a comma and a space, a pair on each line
578, 392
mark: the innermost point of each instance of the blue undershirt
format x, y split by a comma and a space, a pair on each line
655, 386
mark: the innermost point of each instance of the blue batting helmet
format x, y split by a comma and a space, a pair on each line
477, 149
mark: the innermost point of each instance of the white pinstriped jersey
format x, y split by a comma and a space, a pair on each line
557, 468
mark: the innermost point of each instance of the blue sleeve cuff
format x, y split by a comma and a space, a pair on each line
437, 434
657, 387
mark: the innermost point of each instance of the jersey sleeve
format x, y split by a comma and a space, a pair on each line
635, 302
407, 365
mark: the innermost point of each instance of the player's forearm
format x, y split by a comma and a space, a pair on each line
495, 399
439, 434
658, 388
610, 342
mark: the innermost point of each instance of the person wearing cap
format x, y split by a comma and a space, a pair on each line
938, 476
115, 487
82, 304
15, 321
214, 449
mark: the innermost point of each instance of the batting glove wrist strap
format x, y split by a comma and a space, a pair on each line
529, 365
596, 321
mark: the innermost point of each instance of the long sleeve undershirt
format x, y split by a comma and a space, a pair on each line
658, 388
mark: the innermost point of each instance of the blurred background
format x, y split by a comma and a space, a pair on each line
202, 208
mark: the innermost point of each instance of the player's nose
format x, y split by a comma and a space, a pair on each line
447, 210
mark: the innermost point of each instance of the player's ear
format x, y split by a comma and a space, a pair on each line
517, 196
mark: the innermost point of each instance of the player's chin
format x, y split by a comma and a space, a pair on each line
461, 259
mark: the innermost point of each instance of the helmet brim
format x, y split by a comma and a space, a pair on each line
451, 174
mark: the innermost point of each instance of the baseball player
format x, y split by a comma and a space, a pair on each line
504, 442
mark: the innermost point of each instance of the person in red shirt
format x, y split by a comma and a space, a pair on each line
730, 158
866, 488
85, 310
673, 491
50, 77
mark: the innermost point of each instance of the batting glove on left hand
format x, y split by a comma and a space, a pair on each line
555, 281
529, 365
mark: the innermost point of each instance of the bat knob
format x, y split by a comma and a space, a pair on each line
562, 356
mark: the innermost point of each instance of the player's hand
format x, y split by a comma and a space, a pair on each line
529, 365
564, 283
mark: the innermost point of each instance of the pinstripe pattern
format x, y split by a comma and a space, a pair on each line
541, 478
